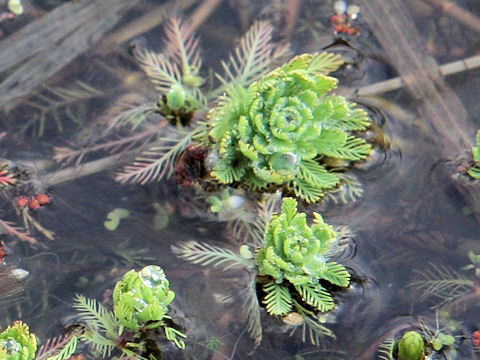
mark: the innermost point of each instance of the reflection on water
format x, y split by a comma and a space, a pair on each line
410, 223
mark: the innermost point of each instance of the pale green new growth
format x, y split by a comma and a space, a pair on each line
140, 302
294, 253
283, 128
175, 72
410, 346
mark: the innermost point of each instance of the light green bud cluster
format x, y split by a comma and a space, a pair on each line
141, 298
295, 251
410, 346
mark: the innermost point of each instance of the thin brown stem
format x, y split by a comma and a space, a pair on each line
202, 13
292, 11
463, 16
438, 104
454, 67
148, 21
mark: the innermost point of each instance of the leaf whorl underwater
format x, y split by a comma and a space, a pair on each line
279, 131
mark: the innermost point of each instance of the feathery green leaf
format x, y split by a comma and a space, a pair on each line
67, 350
253, 57
336, 273
205, 255
277, 300
315, 295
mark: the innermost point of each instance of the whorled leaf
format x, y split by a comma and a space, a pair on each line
175, 71
141, 298
294, 251
281, 129
58, 349
157, 162
311, 327
251, 307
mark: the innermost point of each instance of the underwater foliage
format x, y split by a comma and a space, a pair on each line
17, 343
284, 127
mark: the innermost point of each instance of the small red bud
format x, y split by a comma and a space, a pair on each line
34, 204
42, 199
22, 201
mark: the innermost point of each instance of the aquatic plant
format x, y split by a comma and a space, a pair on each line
140, 304
17, 343
286, 130
265, 127
446, 284
176, 74
114, 217
474, 170
161, 131
141, 299
293, 253
425, 341
410, 346
292, 266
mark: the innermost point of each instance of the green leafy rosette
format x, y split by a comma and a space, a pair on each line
281, 130
295, 251
17, 343
141, 298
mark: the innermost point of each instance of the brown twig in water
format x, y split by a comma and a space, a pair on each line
397, 82
44, 47
148, 21
8, 228
29, 220
292, 10
202, 13
9, 284
439, 105
463, 16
